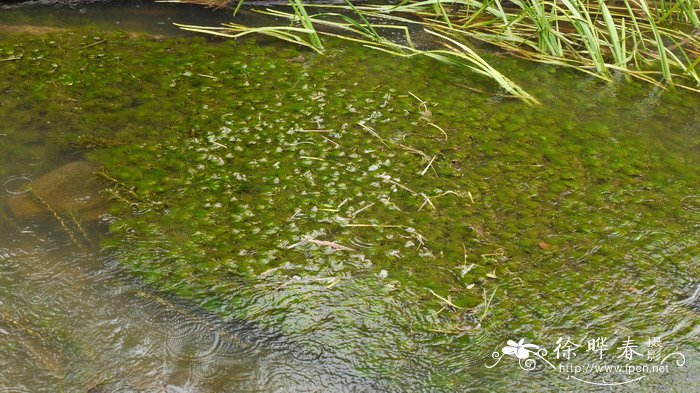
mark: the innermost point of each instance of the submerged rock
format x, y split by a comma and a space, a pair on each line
73, 188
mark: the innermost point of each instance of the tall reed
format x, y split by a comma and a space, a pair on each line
657, 41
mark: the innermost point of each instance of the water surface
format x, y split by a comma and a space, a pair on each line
578, 218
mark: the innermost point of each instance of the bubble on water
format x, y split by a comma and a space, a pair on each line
17, 185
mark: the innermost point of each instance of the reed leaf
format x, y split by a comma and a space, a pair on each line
649, 42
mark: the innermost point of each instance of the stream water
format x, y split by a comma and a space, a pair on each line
72, 320
252, 248
129, 15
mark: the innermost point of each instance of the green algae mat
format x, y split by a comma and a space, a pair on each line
401, 217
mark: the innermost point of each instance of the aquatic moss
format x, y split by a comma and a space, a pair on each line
230, 157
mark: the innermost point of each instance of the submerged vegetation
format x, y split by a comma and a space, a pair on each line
656, 42
384, 216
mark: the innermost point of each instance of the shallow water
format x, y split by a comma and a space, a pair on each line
604, 175
129, 15
72, 320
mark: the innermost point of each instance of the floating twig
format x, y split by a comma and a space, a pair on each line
332, 245
428, 166
425, 112
488, 304
371, 131
294, 215
426, 201
415, 151
331, 141
445, 300
312, 158
439, 128
325, 243
94, 43
333, 283
58, 218
404, 187
364, 208
375, 225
